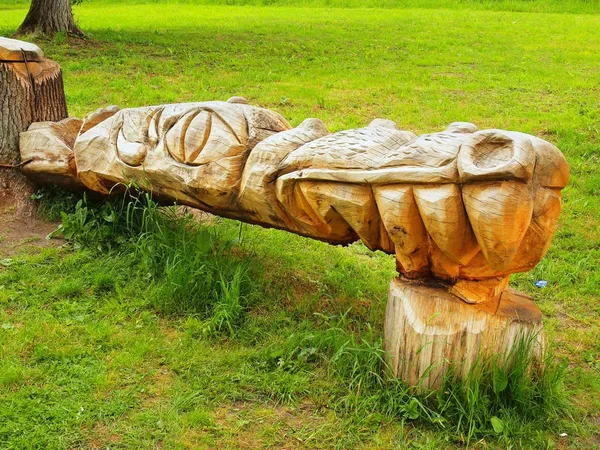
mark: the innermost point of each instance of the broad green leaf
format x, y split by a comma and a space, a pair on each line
412, 409
497, 425
500, 380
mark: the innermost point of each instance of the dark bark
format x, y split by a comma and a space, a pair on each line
29, 93
49, 17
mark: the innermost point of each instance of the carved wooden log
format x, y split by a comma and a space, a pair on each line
31, 90
462, 207
465, 206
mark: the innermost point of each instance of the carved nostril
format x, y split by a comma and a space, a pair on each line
492, 152
496, 155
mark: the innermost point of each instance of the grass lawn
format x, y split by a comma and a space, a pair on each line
91, 356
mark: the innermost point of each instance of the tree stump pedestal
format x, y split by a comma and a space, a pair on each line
31, 89
428, 330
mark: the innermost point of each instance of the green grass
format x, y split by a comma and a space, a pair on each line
93, 357
205, 280
557, 6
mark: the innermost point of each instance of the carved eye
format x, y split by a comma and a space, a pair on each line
186, 139
201, 136
132, 153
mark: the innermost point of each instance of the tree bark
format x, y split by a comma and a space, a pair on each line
31, 90
50, 17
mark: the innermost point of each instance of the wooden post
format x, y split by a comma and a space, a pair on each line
428, 329
31, 90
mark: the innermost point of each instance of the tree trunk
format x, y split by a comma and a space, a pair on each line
49, 17
428, 330
31, 90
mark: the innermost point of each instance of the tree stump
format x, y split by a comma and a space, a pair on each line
428, 330
31, 90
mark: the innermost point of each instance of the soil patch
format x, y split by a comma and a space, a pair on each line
21, 228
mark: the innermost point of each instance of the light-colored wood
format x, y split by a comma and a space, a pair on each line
500, 213
443, 214
14, 50
465, 206
31, 90
401, 219
428, 330
461, 209
257, 189
51, 159
100, 115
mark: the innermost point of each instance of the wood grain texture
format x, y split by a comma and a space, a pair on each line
12, 50
461, 209
428, 329
464, 206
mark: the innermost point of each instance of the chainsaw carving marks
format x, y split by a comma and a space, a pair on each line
194, 137
466, 206
193, 153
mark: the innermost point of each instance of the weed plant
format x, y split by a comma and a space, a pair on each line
52, 202
188, 268
509, 395
93, 356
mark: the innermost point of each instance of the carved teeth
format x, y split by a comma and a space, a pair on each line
457, 205
546, 210
444, 217
441, 265
353, 204
401, 219
310, 206
500, 214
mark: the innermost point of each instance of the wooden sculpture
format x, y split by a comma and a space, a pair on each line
461, 209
